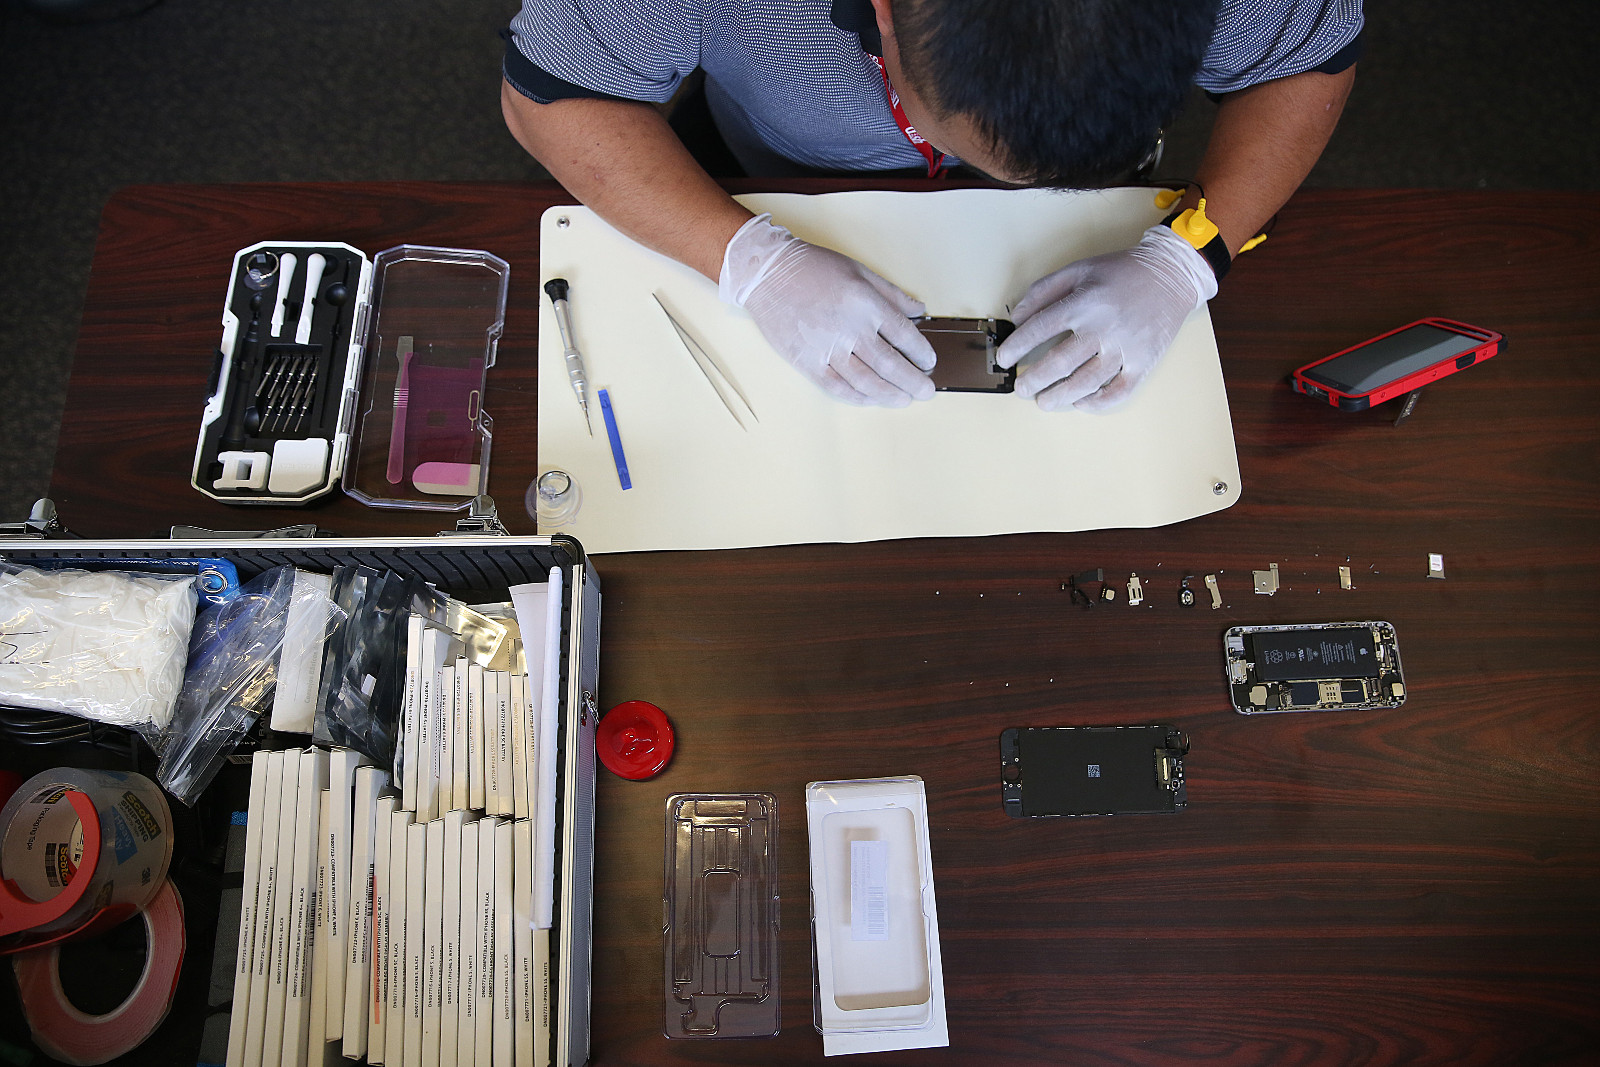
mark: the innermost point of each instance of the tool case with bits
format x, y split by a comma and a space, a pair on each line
336, 369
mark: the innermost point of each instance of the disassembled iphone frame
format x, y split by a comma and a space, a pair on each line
966, 350
1092, 770
1332, 666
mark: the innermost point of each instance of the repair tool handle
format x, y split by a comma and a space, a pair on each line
246, 371
280, 299
402, 403
315, 265
557, 289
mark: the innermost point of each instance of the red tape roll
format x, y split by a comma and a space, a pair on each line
72, 1036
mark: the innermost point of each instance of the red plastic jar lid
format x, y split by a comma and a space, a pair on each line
634, 740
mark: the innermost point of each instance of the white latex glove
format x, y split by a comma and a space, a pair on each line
1119, 312
837, 322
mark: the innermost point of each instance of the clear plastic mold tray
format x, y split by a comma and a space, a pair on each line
721, 916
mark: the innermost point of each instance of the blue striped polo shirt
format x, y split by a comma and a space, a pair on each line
792, 83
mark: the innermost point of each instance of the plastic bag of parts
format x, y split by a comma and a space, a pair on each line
233, 670
510, 656
104, 645
216, 581
349, 590
482, 635
363, 675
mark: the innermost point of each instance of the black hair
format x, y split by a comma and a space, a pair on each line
1067, 93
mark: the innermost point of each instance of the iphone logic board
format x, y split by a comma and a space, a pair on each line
1334, 666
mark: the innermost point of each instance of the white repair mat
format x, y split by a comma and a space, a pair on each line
813, 469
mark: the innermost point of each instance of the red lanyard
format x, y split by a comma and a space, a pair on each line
934, 157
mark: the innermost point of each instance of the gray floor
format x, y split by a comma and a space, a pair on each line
1451, 94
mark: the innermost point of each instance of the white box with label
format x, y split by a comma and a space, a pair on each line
879, 977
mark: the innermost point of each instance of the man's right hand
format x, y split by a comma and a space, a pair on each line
837, 322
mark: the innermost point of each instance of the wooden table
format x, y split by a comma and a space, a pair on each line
1417, 886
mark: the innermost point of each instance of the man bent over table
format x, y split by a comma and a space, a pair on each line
1060, 93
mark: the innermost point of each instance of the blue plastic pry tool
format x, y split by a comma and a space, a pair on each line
616, 440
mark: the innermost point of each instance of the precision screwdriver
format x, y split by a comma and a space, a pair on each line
557, 289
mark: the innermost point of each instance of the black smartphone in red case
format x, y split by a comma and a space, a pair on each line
1395, 363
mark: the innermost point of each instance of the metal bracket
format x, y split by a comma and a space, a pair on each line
481, 519
42, 522
1135, 591
1267, 581
1216, 594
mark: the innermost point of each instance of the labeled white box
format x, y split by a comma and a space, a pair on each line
394, 1037
880, 979
313, 782
358, 948
376, 1006
472, 914
255, 815
460, 738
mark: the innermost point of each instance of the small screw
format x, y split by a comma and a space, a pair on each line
1219, 488
563, 222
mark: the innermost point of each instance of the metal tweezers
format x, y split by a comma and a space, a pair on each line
711, 369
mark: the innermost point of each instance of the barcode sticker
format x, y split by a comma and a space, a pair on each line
869, 890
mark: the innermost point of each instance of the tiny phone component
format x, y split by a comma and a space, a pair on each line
1267, 581
1335, 666
1135, 591
1092, 770
1216, 593
1435, 565
1396, 363
1075, 586
966, 354
1185, 594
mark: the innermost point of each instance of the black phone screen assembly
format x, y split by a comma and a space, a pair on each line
1092, 770
966, 354
1333, 666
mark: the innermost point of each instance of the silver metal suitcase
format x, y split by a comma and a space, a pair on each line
476, 568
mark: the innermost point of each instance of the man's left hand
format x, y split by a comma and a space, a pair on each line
1119, 313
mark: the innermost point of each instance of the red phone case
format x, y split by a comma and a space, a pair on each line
1490, 344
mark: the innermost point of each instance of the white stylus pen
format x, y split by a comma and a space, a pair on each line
280, 300
314, 268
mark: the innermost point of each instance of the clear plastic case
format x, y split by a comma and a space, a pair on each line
422, 437
276, 424
877, 969
721, 916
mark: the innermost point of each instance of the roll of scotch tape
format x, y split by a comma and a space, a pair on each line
43, 843
65, 1033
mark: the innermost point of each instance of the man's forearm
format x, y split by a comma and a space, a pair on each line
1265, 141
624, 161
